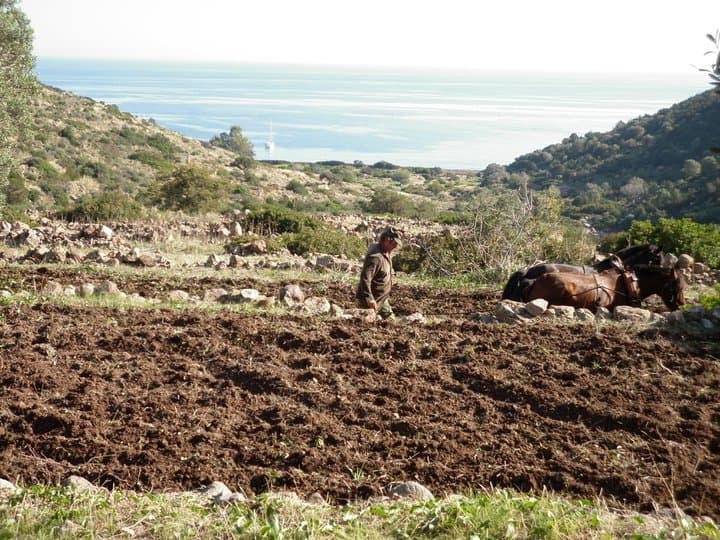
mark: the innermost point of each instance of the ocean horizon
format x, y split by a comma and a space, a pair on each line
410, 117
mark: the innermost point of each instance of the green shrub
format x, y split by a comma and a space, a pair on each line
108, 205
276, 220
234, 141
401, 176
152, 159
297, 187
190, 188
44, 168
163, 145
341, 173
243, 162
325, 240
701, 241
100, 171
15, 191
386, 201
710, 301
68, 133
273, 244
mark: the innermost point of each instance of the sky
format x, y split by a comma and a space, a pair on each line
525, 35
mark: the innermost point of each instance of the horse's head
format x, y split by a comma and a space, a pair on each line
672, 290
668, 283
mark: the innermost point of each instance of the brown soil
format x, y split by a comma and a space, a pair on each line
174, 399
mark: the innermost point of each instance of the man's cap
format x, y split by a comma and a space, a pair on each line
391, 233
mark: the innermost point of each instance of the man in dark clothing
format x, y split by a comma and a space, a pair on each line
373, 291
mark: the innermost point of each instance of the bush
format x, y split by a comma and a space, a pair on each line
243, 162
325, 240
108, 205
163, 145
15, 191
702, 241
401, 176
297, 187
191, 189
711, 301
385, 201
235, 142
276, 220
152, 159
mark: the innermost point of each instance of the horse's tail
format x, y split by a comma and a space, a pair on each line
513, 290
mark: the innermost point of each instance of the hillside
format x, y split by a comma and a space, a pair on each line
80, 147
654, 166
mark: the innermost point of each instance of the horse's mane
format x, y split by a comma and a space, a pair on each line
628, 255
634, 250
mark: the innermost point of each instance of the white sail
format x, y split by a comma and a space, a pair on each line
270, 143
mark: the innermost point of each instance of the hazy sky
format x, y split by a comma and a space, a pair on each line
575, 35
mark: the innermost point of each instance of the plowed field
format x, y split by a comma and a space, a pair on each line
153, 399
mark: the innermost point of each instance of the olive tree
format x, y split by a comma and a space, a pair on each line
17, 82
235, 141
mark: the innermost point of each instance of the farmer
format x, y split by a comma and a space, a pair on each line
375, 284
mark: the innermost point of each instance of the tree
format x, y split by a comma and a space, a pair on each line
235, 141
691, 168
17, 82
634, 188
191, 189
714, 71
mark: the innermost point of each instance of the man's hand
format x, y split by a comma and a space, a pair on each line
372, 304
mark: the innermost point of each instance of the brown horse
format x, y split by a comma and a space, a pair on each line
521, 281
610, 288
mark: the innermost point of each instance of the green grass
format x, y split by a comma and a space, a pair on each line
50, 512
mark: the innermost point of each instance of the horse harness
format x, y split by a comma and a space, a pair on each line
630, 279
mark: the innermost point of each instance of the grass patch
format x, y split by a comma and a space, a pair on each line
51, 512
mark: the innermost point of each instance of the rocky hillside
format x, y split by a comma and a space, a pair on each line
79, 146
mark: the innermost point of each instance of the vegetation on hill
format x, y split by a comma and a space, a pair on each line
654, 166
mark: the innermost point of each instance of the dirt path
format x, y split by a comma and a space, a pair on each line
161, 400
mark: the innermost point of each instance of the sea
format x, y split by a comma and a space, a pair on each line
412, 117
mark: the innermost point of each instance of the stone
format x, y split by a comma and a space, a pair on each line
86, 289
316, 305
411, 490
215, 489
631, 314
694, 313
564, 312
52, 288
507, 311
669, 260
536, 307
675, 317
685, 261
584, 314
416, 317
291, 295
177, 296
213, 295
107, 287
78, 483
6, 485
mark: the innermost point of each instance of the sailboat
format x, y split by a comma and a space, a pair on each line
270, 144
